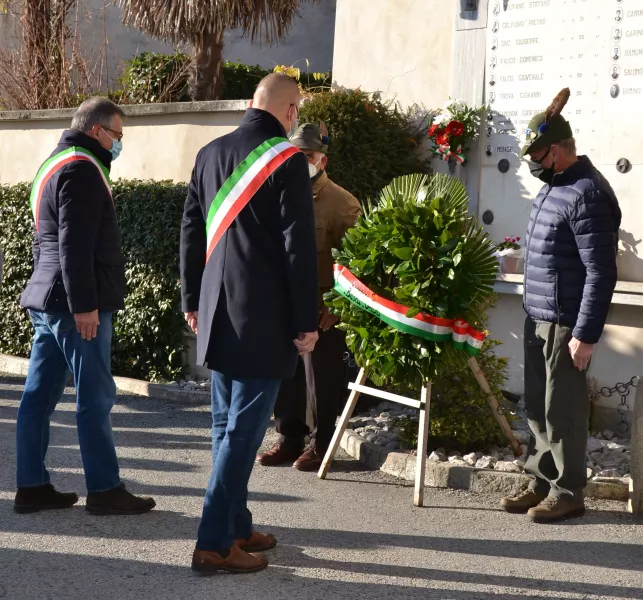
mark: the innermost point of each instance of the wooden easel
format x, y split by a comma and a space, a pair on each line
424, 406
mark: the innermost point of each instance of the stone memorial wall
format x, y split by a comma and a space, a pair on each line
534, 49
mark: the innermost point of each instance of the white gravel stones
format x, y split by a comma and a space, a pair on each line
471, 459
594, 445
486, 462
608, 456
608, 434
507, 467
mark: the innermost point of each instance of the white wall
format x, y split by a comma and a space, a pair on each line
161, 140
400, 47
617, 357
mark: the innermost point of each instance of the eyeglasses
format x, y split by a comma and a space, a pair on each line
119, 134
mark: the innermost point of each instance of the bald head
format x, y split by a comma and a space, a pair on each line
279, 95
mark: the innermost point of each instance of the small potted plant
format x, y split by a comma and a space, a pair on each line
510, 255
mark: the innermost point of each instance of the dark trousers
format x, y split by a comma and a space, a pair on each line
241, 410
290, 410
557, 404
58, 349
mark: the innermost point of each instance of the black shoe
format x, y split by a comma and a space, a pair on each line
117, 502
43, 497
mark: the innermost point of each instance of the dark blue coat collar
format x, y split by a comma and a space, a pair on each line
263, 120
71, 137
581, 169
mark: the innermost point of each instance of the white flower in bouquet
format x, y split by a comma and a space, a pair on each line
441, 118
458, 105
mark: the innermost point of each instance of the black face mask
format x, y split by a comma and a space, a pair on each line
546, 175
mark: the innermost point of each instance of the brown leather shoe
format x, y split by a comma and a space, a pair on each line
279, 454
522, 502
238, 561
310, 460
258, 542
553, 509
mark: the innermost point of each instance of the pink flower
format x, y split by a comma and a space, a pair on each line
507, 239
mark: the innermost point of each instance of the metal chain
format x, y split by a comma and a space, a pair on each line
623, 390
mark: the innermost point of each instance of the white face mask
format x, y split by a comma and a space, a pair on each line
313, 169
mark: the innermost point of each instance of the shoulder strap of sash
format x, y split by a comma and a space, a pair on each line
242, 185
54, 164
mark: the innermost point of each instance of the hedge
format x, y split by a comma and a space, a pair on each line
150, 77
149, 339
372, 141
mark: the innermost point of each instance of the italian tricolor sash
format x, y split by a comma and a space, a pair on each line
56, 162
434, 329
242, 185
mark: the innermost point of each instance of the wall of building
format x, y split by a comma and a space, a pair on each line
104, 36
311, 37
617, 357
161, 140
403, 48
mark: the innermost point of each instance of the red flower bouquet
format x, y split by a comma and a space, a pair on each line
453, 130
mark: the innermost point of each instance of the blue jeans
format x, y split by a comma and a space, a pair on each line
57, 349
241, 411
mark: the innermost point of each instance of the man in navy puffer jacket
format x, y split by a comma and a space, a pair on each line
77, 284
570, 275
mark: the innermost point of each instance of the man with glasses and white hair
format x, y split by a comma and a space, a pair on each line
77, 284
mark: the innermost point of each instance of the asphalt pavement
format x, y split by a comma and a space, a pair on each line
355, 535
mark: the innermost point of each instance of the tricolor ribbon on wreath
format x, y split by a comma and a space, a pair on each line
445, 153
434, 329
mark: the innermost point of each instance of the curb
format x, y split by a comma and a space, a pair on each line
397, 464
444, 475
13, 365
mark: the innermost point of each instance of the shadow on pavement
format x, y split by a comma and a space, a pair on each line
101, 578
164, 525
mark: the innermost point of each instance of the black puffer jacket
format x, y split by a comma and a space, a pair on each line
571, 247
78, 263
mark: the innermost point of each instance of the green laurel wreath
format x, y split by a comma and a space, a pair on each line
416, 245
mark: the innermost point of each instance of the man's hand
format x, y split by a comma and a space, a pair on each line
192, 319
306, 342
87, 324
581, 353
327, 320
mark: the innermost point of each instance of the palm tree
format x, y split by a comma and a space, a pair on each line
202, 23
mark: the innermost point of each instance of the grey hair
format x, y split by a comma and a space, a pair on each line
94, 111
569, 145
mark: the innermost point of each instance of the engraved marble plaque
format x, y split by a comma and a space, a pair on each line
534, 49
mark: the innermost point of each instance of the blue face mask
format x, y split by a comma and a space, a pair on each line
117, 147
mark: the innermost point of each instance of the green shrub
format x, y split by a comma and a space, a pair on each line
240, 80
371, 141
150, 77
16, 233
460, 416
149, 335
